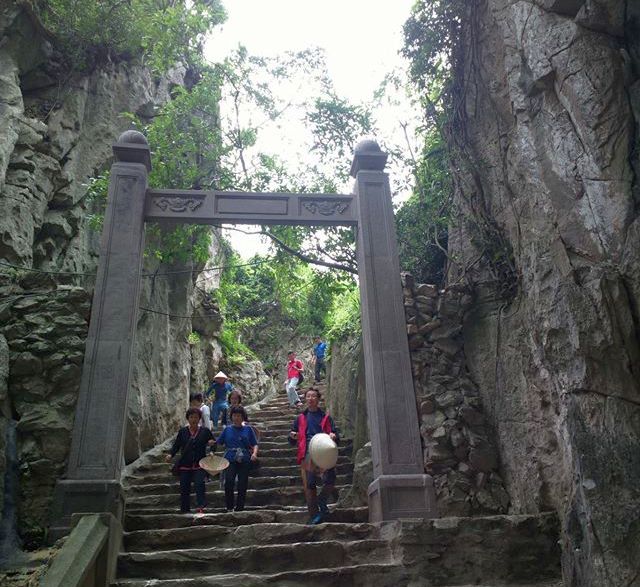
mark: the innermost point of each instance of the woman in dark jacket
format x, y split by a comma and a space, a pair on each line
191, 441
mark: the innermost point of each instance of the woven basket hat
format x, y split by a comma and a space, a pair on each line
213, 464
323, 451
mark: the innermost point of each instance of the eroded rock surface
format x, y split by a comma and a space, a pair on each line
550, 121
56, 132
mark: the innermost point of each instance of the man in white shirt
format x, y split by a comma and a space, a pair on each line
196, 400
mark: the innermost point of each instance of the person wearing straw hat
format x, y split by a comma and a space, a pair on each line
192, 441
310, 422
218, 391
241, 449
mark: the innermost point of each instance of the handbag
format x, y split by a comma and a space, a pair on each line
253, 465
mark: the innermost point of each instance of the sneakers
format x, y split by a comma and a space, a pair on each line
317, 519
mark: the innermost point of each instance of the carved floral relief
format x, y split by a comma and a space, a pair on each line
326, 207
177, 204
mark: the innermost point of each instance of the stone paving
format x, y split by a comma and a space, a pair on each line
270, 543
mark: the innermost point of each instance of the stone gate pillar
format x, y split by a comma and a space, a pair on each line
400, 488
92, 483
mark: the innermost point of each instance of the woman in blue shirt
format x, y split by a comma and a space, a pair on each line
241, 449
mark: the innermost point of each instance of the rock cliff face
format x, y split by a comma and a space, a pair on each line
547, 166
56, 131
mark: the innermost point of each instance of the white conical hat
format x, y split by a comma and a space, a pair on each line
323, 451
214, 464
220, 374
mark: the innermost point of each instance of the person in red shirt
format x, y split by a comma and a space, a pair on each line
294, 367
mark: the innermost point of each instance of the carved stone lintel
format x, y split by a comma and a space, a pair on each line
177, 204
325, 207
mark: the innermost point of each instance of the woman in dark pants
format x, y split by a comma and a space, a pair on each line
241, 448
191, 441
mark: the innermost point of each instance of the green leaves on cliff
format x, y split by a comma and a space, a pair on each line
422, 222
161, 33
440, 39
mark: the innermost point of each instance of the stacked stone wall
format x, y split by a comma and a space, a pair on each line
459, 451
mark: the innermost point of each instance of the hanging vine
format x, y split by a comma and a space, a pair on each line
441, 44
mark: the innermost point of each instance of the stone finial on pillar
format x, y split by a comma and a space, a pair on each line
368, 156
132, 147
400, 488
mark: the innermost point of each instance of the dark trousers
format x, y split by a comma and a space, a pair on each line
197, 476
241, 470
320, 366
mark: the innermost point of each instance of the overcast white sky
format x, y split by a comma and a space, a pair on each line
361, 39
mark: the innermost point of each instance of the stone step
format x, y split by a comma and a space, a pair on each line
283, 459
364, 575
281, 423
138, 520
284, 450
162, 474
279, 461
246, 535
172, 486
281, 437
174, 564
215, 497
270, 443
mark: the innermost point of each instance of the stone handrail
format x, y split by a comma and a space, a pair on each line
89, 554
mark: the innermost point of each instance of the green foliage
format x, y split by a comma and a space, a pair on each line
422, 221
432, 35
343, 319
434, 44
160, 32
431, 45
280, 288
337, 125
186, 137
193, 338
187, 148
235, 351
96, 198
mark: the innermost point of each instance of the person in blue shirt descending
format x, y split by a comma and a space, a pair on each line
319, 352
241, 449
217, 393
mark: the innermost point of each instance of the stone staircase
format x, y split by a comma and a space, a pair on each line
267, 544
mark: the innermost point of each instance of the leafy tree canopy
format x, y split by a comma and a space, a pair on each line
159, 32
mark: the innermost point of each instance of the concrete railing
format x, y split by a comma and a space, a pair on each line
89, 555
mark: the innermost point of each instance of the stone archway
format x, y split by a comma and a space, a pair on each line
400, 488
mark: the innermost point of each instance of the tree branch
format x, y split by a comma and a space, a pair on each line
285, 247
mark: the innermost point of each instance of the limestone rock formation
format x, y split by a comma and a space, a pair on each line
547, 171
56, 132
